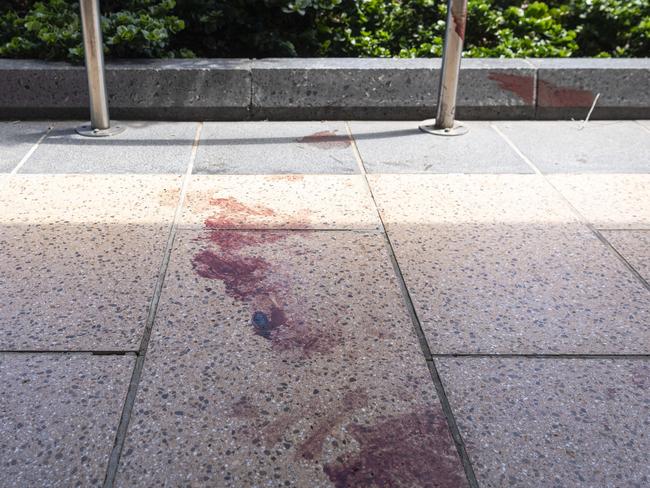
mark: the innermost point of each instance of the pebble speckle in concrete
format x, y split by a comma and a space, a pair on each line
286, 359
283, 349
552, 422
279, 201
59, 417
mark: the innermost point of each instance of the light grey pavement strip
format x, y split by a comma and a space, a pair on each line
143, 148
552, 422
18, 141
601, 147
274, 148
400, 147
417, 326
59, 416
116, 452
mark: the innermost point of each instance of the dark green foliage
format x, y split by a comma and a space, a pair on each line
50, 29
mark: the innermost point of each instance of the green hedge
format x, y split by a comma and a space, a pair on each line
49, 29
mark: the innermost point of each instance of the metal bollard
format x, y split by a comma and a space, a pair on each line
100, 124
444, 123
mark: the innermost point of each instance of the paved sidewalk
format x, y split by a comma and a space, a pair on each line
325, 304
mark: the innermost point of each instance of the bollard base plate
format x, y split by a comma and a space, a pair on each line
429, 126
86, 130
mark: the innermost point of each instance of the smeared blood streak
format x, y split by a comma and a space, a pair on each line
326, 139
522, 86
550, 95
413, 449
233, 213
241, 275
352, 401
460, 19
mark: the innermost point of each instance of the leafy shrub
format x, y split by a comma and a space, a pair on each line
50, 29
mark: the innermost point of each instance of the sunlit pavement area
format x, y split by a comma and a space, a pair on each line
346, 304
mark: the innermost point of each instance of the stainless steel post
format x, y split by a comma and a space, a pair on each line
100, 124
444, 123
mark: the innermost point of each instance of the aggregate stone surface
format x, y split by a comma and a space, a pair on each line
59, 413
81, 255
552, 422
498, 264
285, 359
279, 201
634, 246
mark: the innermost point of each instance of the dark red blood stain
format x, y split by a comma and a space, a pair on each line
414, 449
549, 95
522, 86
326, 139
352, 401
232, 213
254, 280
460, 20
242, 275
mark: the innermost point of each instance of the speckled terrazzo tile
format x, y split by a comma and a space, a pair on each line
59, 413
285, 359
400, 147
614, 201
498, 264
634, 246
279, 201
143, 148
81, 256
557, 423
275, 148
600, 147
97, 199
16, 139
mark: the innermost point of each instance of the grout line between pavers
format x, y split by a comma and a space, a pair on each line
542, 356
426, 350
120, 436
581, 218
31, 151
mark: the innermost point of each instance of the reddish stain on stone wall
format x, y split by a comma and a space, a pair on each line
522, 86
549, 95
413, 450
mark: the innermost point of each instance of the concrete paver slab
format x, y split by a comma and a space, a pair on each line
275, 148
600, 147
60, 414
497, 264
143, 148
81, 256
279, 201
614, 201
552, 422
634, 246
400, 147
285, 359
16, 139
